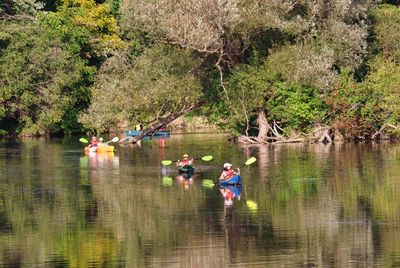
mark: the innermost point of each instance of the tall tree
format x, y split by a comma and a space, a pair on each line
153, 88
42, 84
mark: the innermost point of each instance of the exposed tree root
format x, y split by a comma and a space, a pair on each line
380, 133
269, 133
268, 140
323, 134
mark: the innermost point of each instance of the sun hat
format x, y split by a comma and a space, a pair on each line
185, 155
227, 165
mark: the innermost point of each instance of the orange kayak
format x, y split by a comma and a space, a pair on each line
99, 149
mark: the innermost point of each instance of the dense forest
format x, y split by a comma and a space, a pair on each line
266, 71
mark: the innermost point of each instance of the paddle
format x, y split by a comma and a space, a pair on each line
83, 140
210, 183
252, 205
115, 139
167, 181
204, 158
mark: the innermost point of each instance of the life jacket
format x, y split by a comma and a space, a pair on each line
185, 162
93, 143
229, 195
229, 174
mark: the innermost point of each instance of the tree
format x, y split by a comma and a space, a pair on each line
157, 86
20, 9
322, 39
42, 84
90, 28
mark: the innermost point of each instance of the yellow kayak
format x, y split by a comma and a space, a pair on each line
99, 149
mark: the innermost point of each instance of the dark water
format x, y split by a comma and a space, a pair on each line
299, 206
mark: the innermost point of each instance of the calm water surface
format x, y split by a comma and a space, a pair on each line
299, 206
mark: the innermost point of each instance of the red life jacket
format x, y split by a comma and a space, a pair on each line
229, 195
229, 174
185, 162
93, 143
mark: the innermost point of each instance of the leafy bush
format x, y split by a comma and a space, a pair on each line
296, 107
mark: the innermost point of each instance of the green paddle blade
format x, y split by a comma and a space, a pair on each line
250, 161
252, 205
167, 181
166, 162
208, 183
207, 158
83, 140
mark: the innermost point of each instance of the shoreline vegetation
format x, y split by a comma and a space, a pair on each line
310, 71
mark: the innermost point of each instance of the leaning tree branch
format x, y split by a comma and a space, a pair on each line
162, 122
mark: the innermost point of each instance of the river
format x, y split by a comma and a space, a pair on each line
300, 205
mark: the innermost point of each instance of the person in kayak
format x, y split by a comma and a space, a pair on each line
93, 142
185, 161
228, 172
101, 143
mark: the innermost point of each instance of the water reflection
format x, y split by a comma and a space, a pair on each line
229, 193
302, 205
185, 179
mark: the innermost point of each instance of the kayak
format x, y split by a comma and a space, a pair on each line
133, 133
235, 180
99, 149
235, 189
186, 169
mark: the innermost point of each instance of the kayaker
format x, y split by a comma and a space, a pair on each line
185, 161
228, 172
93, 142
101, 143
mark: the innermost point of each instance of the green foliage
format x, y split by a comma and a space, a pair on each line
295, 107
159, 82
40, 81
88, 27
387, 30
272, 57
20, 7
358, 110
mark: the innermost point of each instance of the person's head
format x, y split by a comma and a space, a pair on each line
227, 166
185, 156
94, 138
101, 140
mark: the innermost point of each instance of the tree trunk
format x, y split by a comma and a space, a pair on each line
163, 121
263, 125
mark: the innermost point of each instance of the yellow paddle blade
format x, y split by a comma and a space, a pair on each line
83, 140
250, 161
167, 181
252, 205
207, 158
166, 162
207, 183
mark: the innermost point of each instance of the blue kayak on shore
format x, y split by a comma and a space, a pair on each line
134, 133
235, 180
